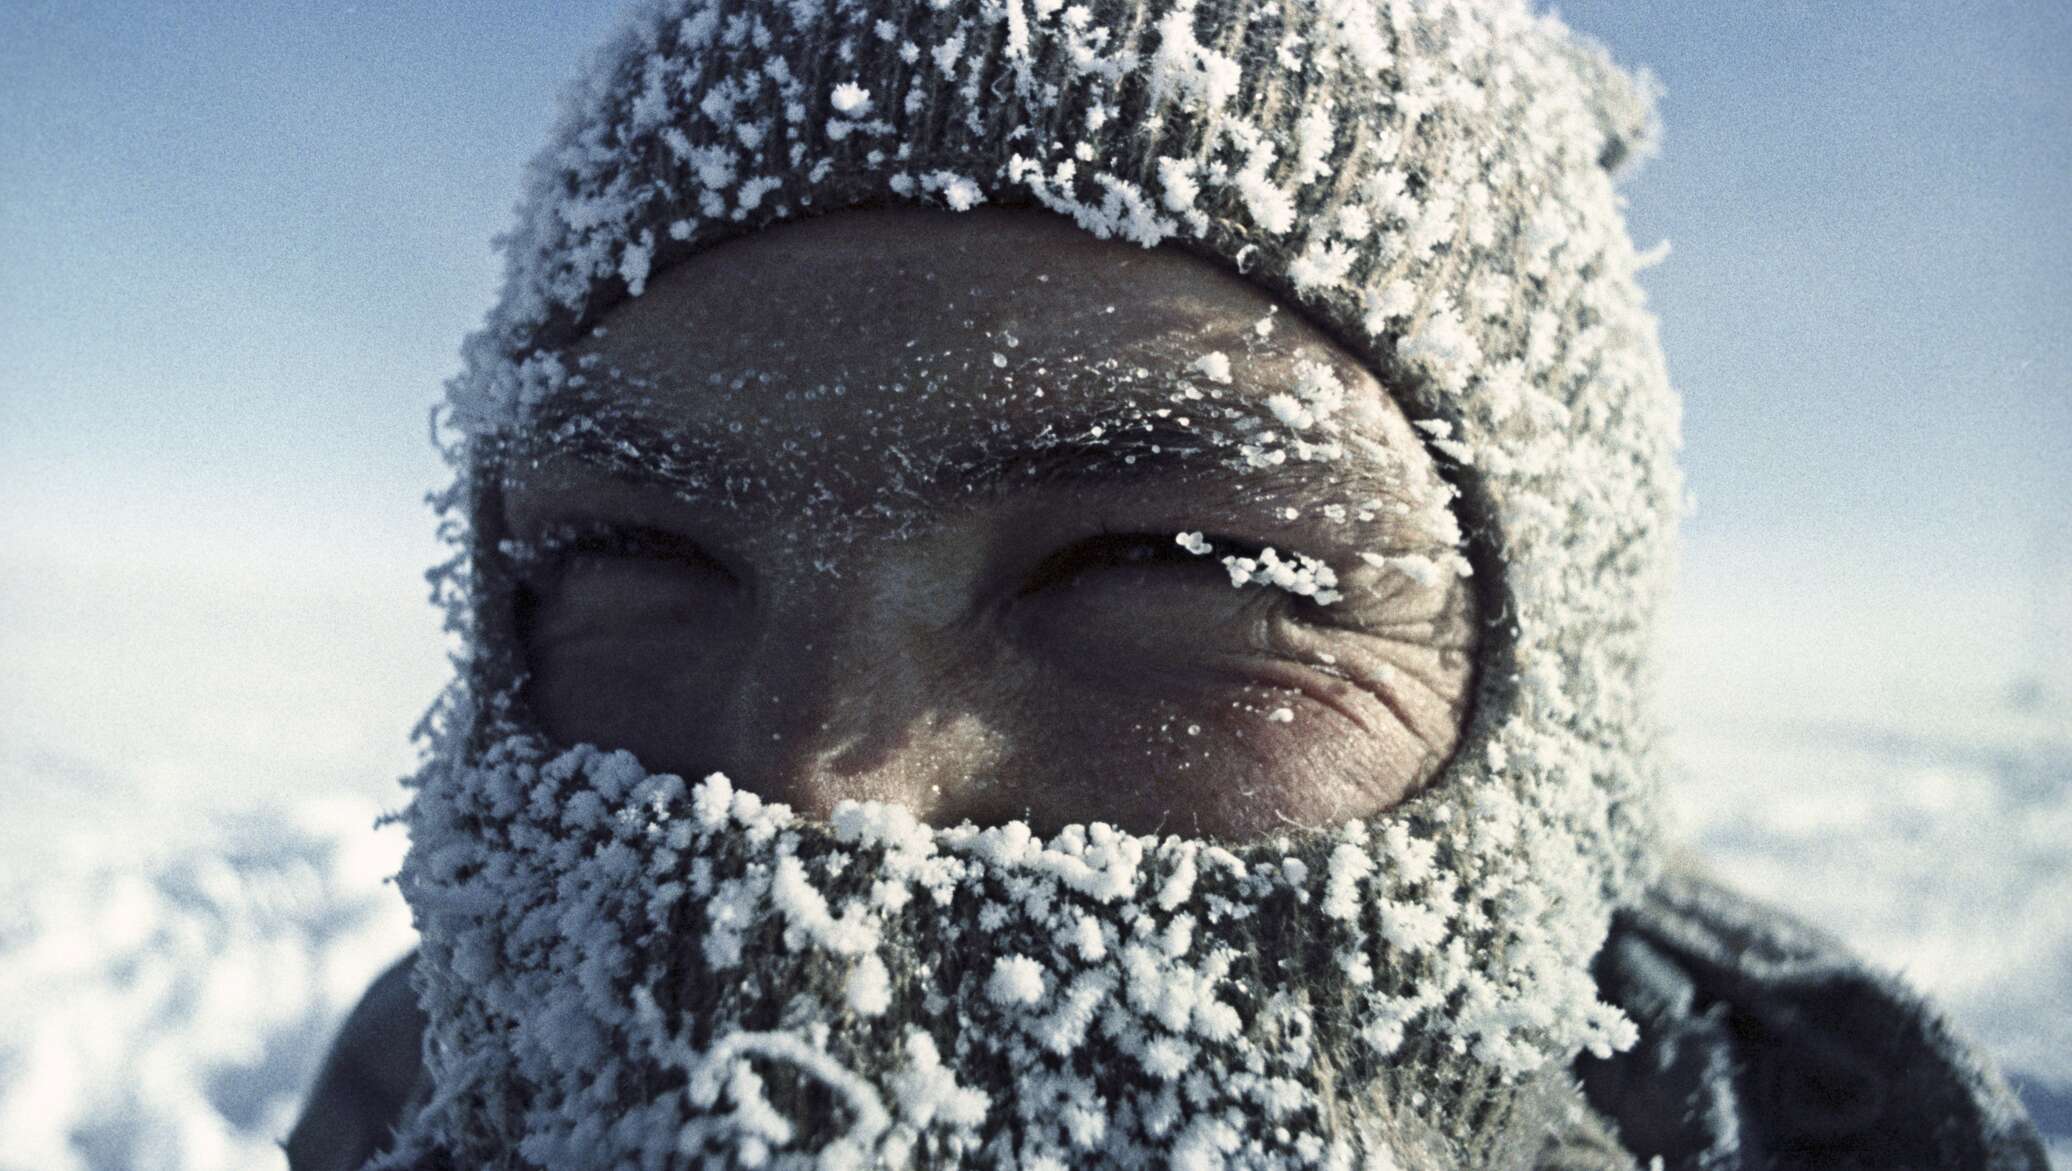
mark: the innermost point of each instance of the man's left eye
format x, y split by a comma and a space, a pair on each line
1119, 551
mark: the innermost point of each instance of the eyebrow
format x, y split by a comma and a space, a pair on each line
1107, 449
1106, 446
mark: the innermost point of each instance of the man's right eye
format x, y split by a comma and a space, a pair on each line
613, 582
577, 550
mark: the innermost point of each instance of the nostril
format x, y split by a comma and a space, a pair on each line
814, 765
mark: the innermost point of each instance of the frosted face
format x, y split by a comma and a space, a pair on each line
972, 514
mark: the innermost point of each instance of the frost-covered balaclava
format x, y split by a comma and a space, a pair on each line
622, 968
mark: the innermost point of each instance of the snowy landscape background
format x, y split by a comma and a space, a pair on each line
237, 253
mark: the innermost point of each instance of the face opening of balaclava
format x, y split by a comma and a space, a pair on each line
628, 968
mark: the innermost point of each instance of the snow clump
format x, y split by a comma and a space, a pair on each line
1303, 575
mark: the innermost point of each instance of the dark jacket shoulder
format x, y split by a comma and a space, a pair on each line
373, 1070
1766, 1044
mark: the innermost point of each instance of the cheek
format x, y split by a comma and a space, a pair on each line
1222, 712
1215, 754
646, 703
625, 662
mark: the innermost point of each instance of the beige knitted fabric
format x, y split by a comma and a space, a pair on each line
1428, 181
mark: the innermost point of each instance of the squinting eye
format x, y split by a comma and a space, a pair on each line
1142, 551
574, 552
598, 587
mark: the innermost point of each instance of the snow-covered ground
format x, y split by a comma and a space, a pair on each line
162, 1001
189, 900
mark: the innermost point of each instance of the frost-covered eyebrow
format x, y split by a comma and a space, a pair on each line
1105, 449
1101, 447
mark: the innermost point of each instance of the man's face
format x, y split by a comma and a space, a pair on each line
903, 520
890, 505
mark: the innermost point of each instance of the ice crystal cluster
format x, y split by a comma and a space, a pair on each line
628, 970
625, 969
1298, 573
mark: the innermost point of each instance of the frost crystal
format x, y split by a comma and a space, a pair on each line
869, 986
1214, 366
1303, 575
850, 98
961, 193
1016, 980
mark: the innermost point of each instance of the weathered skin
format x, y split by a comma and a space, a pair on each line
857, 615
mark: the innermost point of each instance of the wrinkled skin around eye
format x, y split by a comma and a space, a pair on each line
806, 583
1119, 603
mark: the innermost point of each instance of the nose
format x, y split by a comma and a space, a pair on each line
859, 686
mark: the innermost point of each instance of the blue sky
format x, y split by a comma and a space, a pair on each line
239, 245
1871, 291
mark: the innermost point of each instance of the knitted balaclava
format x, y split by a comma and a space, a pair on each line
622, 968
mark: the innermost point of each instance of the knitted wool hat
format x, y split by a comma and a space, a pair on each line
1431, 184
